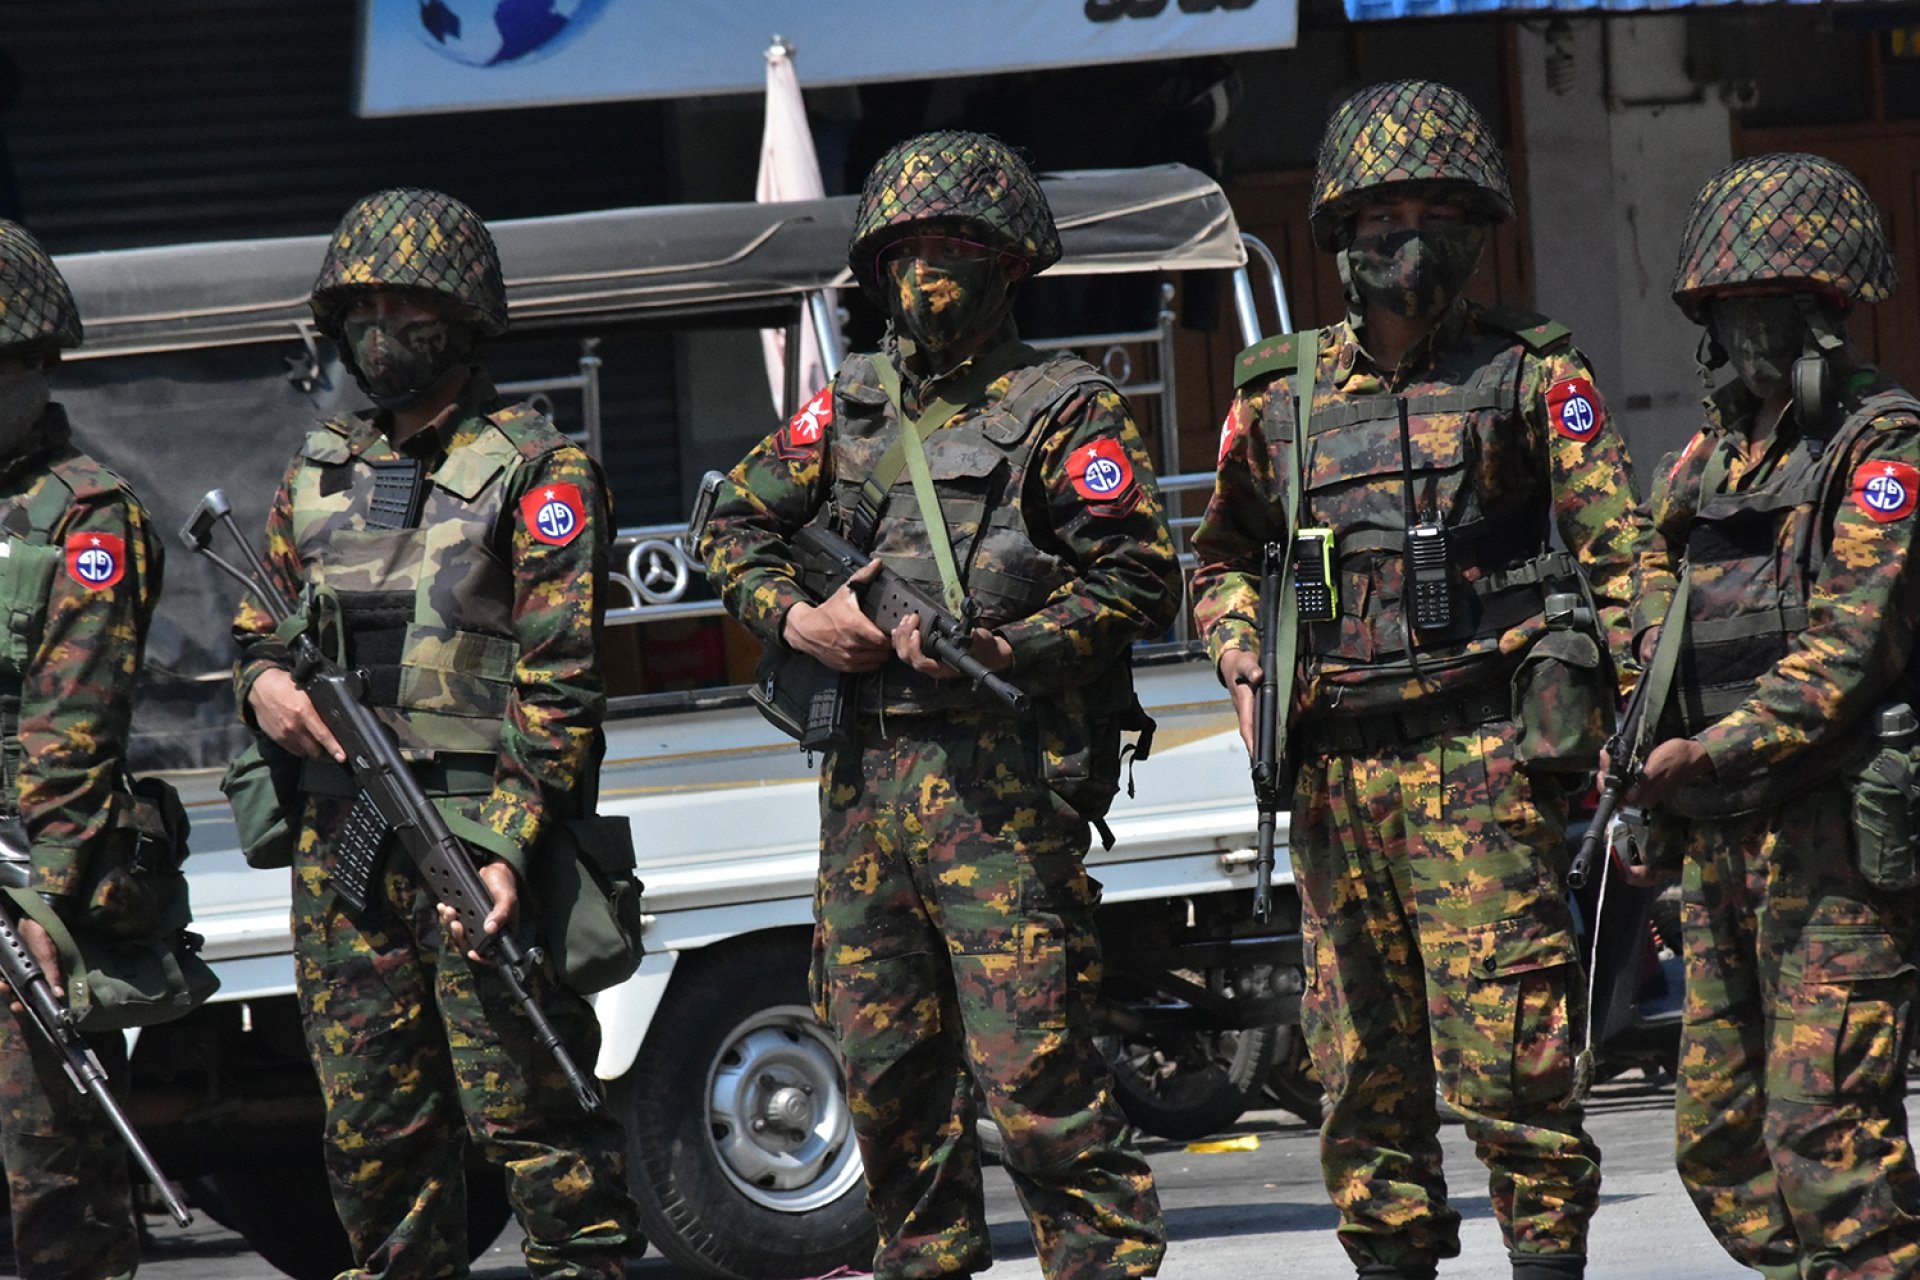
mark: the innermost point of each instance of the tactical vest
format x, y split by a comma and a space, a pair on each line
1753, 556
65, 475
426, 609
979, 465
1367, 481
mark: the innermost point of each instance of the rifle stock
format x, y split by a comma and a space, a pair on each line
382, 774
56, 1024
1269, 726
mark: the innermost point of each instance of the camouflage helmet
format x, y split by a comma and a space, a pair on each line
1402, 132
36, 307
1785, 220
412, 239
968, 184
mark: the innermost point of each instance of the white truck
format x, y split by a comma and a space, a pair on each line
199, 370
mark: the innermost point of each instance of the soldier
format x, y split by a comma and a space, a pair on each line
1443, 698
79, 576
954, 937
458, 546
1792, 512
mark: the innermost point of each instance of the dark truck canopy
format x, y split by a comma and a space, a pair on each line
198, 361
626, 264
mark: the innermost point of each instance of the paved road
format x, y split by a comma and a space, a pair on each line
1259, 1213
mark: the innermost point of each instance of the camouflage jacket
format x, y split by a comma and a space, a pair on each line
1123, 580
1862, 604
100, 575
1543, 462
555, 695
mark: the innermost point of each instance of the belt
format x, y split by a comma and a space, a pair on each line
1427, 718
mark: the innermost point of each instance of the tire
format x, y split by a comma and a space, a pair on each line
740, 1146
1188, 1084
284, 1212
1291, 1084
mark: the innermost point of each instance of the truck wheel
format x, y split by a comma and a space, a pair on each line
740, 1146
1292, 1084
1185, 1085
285, 1213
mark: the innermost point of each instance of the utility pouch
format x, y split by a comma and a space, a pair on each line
1313, 582
136, 889
588, 901
1563, 703
114, 984
1082, 750
262, 785
803, 698
1429, 579
1886, 818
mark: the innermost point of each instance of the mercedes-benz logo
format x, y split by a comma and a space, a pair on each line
658, 570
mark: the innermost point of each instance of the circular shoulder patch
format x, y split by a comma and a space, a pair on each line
1886, 491
1100, 471
554, 513
96, 560
1574, 407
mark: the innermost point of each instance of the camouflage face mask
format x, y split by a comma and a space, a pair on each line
399, 360
1762, 338
941, 304
1416, 272
24, 394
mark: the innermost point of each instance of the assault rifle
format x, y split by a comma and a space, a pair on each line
1269, 724
56, 1023
829, 559
390, 799
1627, 752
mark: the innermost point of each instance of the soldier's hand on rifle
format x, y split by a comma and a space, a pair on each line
505, 889
993, 652
285, 713
836, 632
1649, 640
1675, 763
1240, 672
45, 954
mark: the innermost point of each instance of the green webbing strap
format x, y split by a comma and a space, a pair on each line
1659, 672
945, 407
1286, 646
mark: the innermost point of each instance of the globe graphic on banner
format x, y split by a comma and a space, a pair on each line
492, 33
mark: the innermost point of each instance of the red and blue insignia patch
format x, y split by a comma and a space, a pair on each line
96, 560
554, 513
807, 428
1574, 407
1101, 472
1886, 491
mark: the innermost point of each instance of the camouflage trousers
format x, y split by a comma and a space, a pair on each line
420, 1053
67, 1175
1790, 1116
1440, 951
955, 945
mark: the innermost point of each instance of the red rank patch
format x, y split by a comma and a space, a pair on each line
554, 513
1101, 472
1574, 407
96, 560
1886, 491
803, 432
1226, 438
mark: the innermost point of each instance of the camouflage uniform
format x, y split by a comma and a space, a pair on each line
1428, 827
478, 623
954, 938
79, 580
1792, 1130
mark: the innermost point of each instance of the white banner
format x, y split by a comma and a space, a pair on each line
463, 55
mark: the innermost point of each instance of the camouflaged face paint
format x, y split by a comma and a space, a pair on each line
1418, 271
398, 360
1762, 338
939, 305
23, 398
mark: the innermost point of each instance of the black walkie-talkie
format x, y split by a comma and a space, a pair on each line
1427, 593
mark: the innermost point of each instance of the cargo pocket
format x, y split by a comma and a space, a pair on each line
1846, 1001
881, 1008
1514, 1044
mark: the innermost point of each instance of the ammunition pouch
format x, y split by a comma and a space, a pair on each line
587, 901
803, 698
1082, 751
1885, 790
1563, 703
262, 785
